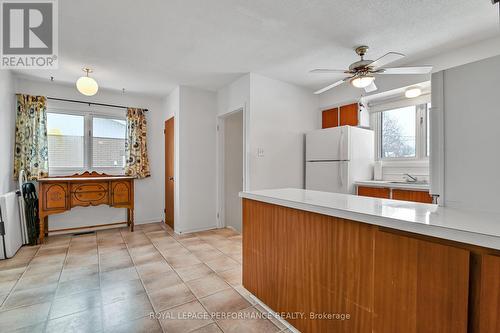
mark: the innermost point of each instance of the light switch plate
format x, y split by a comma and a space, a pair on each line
260, 152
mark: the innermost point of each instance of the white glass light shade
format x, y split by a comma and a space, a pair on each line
362, 81
413, 92
87, 86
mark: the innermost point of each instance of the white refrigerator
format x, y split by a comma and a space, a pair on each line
337, 157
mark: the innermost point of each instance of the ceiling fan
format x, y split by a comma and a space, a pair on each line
362, 73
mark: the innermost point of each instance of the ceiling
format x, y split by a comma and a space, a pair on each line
152, 46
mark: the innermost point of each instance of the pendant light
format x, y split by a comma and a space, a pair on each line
87, 85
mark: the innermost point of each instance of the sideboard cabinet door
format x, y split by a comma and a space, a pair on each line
121, 193
55, 196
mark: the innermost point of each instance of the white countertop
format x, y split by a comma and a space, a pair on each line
477, 228
389, 184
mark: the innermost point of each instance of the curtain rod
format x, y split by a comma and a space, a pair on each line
90, 103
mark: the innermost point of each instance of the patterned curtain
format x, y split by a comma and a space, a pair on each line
136, 150
31, 149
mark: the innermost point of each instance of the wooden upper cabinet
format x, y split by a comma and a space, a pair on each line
416, 196
341, 116
330, 118
349, 115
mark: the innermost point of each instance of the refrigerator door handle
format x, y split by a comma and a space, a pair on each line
341, 177
341, 145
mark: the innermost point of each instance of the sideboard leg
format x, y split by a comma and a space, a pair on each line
128, 217
131, 219
41, 234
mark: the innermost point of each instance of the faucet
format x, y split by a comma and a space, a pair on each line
410, 178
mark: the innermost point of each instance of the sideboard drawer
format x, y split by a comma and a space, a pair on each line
89, 198
89, 187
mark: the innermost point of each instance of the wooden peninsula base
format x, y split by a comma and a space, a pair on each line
385, 280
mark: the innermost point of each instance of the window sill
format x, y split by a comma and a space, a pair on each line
405, 163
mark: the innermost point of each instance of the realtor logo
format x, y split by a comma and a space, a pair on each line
29, 34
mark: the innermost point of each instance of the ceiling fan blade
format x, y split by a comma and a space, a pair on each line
406, 70
386, 59
325, 70
333, 85
372, 87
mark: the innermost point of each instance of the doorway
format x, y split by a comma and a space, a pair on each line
232, 157
169, 172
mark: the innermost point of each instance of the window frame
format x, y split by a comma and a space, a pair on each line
88, 146
421, 123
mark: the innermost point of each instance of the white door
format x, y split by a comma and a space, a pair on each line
330, 144
327, 176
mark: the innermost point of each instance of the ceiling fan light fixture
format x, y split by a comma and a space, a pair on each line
413, 92
87, 85
362, 81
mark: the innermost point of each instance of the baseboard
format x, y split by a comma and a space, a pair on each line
154, 220
187, 231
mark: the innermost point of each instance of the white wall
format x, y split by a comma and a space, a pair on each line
277, 116
149, 192
234, 96
196, 147
280, 114
7, 131
472, 135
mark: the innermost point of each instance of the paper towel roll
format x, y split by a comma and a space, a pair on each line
377, 170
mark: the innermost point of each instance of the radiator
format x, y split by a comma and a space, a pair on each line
12, 240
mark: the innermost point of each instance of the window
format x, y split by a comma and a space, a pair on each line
82, 141
404, 133
399, 133
66, 140
108, 143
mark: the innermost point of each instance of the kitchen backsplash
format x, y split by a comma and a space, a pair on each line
393, 172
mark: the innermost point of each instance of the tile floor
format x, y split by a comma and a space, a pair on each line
151, 280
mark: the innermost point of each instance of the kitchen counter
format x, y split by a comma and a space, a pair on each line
389, 184
470, 227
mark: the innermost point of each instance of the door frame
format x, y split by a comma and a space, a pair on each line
221, 221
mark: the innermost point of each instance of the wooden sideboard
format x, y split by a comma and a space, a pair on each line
60, 194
